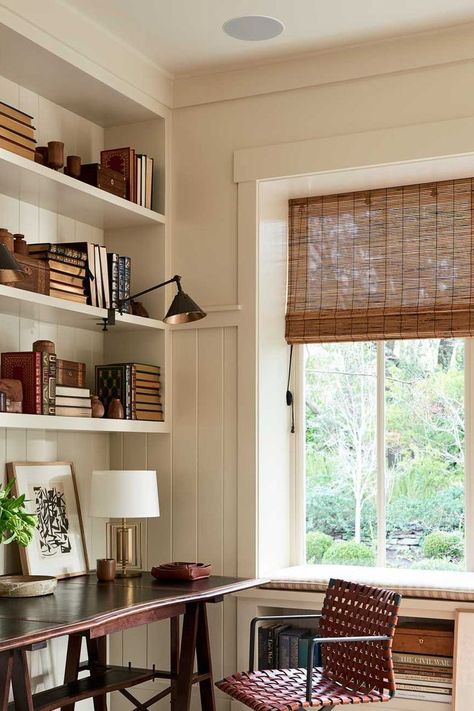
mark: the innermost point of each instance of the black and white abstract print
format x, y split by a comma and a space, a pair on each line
53, 524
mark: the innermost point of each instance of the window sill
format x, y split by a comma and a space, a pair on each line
410, 583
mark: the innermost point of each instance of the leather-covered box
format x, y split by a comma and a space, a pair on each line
37, 274
70, 373
104, 178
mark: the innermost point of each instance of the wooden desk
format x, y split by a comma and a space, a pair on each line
86, 610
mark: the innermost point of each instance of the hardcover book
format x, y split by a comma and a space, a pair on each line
26, 367
113, 272
18, 126
63, 249
15, 113
14, 147
123, 161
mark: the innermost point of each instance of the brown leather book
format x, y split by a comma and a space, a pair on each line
16, 148
68, 297
66, 278
68, 288
154, 416
17, 138
26, 367
14, 113
17, 126
123, 161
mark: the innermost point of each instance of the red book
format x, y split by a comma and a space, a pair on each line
27, 368
122, 160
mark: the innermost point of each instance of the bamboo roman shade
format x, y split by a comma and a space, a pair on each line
382, 264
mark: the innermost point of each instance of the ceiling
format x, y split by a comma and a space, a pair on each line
185, 36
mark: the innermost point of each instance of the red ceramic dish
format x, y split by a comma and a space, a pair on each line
181, 571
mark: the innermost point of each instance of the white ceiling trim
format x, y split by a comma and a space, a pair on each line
414, 51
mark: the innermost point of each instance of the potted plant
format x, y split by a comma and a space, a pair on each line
16, 524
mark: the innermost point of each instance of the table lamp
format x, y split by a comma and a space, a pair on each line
124, 494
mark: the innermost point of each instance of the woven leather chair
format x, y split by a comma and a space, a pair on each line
357, 670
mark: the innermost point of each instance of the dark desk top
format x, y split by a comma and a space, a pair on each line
82, 603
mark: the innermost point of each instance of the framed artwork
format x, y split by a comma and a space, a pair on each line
58, 547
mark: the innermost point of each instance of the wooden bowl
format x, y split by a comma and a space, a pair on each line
27, 585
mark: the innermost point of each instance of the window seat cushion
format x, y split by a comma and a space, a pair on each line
431, 584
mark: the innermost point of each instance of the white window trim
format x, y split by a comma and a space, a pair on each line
299, 459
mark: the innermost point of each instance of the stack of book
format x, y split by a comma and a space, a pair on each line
281, 646
137, 170
73, 402
67, 269
136, 385
423, 660
84, 272
37, 374
17, 133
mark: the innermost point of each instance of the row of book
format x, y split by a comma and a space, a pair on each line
86, 273
37, 373
427, 677
137, 169
17, 133
136, 385
285, 647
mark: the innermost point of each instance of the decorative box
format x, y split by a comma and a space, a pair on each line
71, 373
181, 571
104, 178
37, 271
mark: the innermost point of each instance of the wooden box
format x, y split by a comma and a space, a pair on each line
104, 178
37, 271
71, 373
421, 640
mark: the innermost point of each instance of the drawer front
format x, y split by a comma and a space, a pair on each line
422, 643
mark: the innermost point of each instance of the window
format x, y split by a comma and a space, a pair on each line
384, 455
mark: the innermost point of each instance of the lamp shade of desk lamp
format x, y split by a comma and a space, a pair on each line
10, 270
124, 494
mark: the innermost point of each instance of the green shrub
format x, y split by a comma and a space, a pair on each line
436, 564
350, 553
441, 544
317, 544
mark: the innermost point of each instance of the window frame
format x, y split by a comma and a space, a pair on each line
299, 458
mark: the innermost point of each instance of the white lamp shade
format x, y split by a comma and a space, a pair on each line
124, 494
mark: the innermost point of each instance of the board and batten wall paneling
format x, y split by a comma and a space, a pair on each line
198, 493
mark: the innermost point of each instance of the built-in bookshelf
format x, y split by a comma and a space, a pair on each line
74, 105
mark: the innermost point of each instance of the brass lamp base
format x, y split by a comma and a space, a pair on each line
128, 573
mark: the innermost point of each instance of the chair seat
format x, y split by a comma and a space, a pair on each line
285, 690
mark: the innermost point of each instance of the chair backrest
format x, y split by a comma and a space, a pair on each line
352, 610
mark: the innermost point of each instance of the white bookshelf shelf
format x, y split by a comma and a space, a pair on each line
38, 185
80, 424
38, 307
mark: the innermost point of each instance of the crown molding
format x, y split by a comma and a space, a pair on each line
454, 44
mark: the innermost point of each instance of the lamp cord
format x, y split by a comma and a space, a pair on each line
289, 395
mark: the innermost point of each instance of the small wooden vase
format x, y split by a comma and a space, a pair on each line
55, 154
115, 409
20, 246
73, 166
98, 409
106, 569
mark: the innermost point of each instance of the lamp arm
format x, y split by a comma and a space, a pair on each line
176, 279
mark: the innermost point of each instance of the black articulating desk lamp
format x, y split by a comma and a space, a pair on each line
182, 310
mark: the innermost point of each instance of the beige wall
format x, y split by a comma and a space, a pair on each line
205, 211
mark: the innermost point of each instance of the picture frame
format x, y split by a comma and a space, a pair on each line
58, 546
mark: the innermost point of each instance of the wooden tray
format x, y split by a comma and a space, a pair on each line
27, 585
